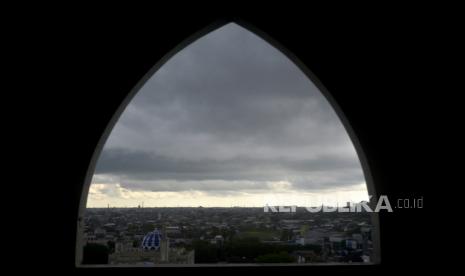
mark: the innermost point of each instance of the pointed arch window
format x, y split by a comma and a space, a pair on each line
226, 126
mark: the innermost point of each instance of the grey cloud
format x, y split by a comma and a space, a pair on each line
149, 171
123, 162
230, 107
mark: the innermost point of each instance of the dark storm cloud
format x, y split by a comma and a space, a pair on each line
229, 107
148, 165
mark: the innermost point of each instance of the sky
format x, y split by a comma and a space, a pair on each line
228, 121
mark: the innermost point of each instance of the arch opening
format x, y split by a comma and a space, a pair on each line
227, 131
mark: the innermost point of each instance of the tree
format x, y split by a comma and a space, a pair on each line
281, 257
111, 247
95, 253
205, 252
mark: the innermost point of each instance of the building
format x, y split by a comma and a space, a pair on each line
155, 249
152, 240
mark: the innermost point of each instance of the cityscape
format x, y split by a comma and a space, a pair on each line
229, 120
223, 236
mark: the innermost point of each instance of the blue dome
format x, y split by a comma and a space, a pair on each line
152, 240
